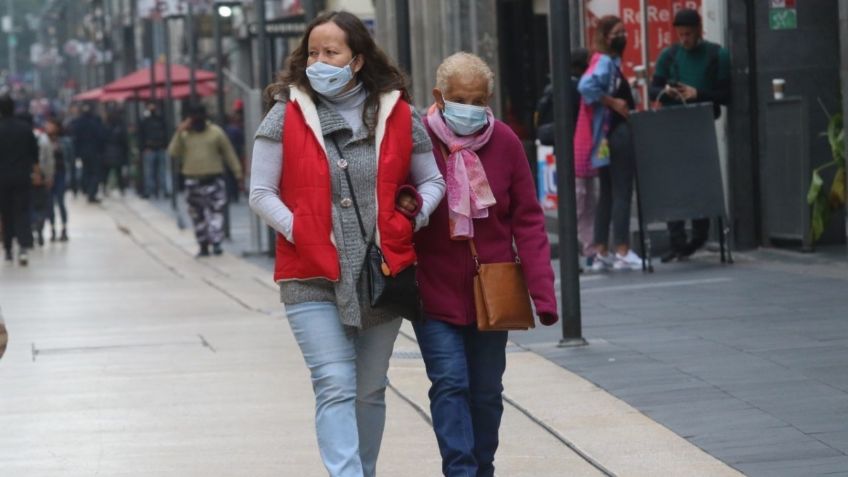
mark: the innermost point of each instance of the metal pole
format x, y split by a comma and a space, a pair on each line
403, 44
153, 59
12, 38
560, 47
192, 52
169, 117
262, 44
219, 67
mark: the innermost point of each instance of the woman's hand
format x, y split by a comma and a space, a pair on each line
407, 202
620, 106
548, 319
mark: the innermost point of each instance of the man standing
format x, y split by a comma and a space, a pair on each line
89, 134
692, 71
152, 139
18, 167
202, 148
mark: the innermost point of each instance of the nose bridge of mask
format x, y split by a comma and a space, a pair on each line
466, 110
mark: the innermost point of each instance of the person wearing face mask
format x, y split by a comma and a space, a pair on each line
334, 155
603, 141
203, 150
491, 199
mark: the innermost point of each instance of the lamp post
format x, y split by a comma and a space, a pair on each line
560, 40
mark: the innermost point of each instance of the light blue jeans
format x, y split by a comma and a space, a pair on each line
348, 371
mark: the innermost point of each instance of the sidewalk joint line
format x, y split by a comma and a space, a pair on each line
591, 461
421, 412
233, 297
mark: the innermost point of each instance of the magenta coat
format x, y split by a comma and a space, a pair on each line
445, 267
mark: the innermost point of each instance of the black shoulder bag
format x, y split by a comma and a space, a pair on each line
397, 294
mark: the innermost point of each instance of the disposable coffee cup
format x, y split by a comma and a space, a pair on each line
778, 85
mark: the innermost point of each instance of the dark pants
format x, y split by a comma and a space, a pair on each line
616, 189
58, 200
40, 208
117, 168
677, 235
15, 212
465, 367
92, 173
207, 198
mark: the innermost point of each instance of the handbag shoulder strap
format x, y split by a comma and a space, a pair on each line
343, 164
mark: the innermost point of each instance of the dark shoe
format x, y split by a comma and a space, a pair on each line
40, 239
216, 249
9, 256
53, 236
94, 201
204, 251
64, 236
670, 256
691, 248
23, 259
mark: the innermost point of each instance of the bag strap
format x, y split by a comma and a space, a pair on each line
343, 164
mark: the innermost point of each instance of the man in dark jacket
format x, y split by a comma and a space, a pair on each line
152, 139
692, 71
89, 136
18, 164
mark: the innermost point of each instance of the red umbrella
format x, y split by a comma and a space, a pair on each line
97, 94
180, 91
141, 79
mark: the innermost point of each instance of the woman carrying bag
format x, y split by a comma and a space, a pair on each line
330, 164
490, 205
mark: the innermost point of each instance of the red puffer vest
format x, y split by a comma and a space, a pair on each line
305, 189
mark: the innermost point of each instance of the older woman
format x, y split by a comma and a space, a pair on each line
342, 120
491, 199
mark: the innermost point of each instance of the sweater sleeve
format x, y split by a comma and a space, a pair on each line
424, 173
528, 230
265, 172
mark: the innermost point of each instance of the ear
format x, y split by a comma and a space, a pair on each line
358, 63
440, 100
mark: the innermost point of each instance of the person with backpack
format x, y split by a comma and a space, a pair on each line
693, 70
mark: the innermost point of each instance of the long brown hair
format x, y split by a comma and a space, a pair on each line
603, 29
378, 73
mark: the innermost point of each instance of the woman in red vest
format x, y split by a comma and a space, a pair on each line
491, 199
341, 107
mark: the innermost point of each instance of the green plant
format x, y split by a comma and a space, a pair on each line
823, 201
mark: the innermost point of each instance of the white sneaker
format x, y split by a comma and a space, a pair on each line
631, 261
601, 262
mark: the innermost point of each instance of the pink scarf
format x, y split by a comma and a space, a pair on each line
468, 190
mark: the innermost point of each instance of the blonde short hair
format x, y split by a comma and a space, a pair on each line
463, 63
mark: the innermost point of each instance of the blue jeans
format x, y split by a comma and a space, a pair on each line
465, 367
348, 370
157, 172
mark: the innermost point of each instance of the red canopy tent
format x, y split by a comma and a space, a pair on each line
141, 79
97, 94
180, 91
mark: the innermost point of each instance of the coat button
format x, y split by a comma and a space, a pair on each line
342, 164
346, 202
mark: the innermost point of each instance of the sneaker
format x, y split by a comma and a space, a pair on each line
631, 261
601, 262
216, 249
23, 259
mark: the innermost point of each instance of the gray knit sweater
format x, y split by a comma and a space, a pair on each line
341, 124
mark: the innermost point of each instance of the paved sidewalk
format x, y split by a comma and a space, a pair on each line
127, 356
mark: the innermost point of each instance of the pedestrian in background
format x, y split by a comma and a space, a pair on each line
152, 139
18, 168
74, 174
116, 151
341, 107
89, 137
603, 140
692, 71
235, 132
42, 184
491, 200
204, 151
62, 150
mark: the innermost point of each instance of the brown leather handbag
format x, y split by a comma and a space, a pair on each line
501, 296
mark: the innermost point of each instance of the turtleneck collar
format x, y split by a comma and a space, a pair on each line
349, 99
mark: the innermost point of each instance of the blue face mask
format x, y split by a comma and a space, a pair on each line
465, 119
329, 80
